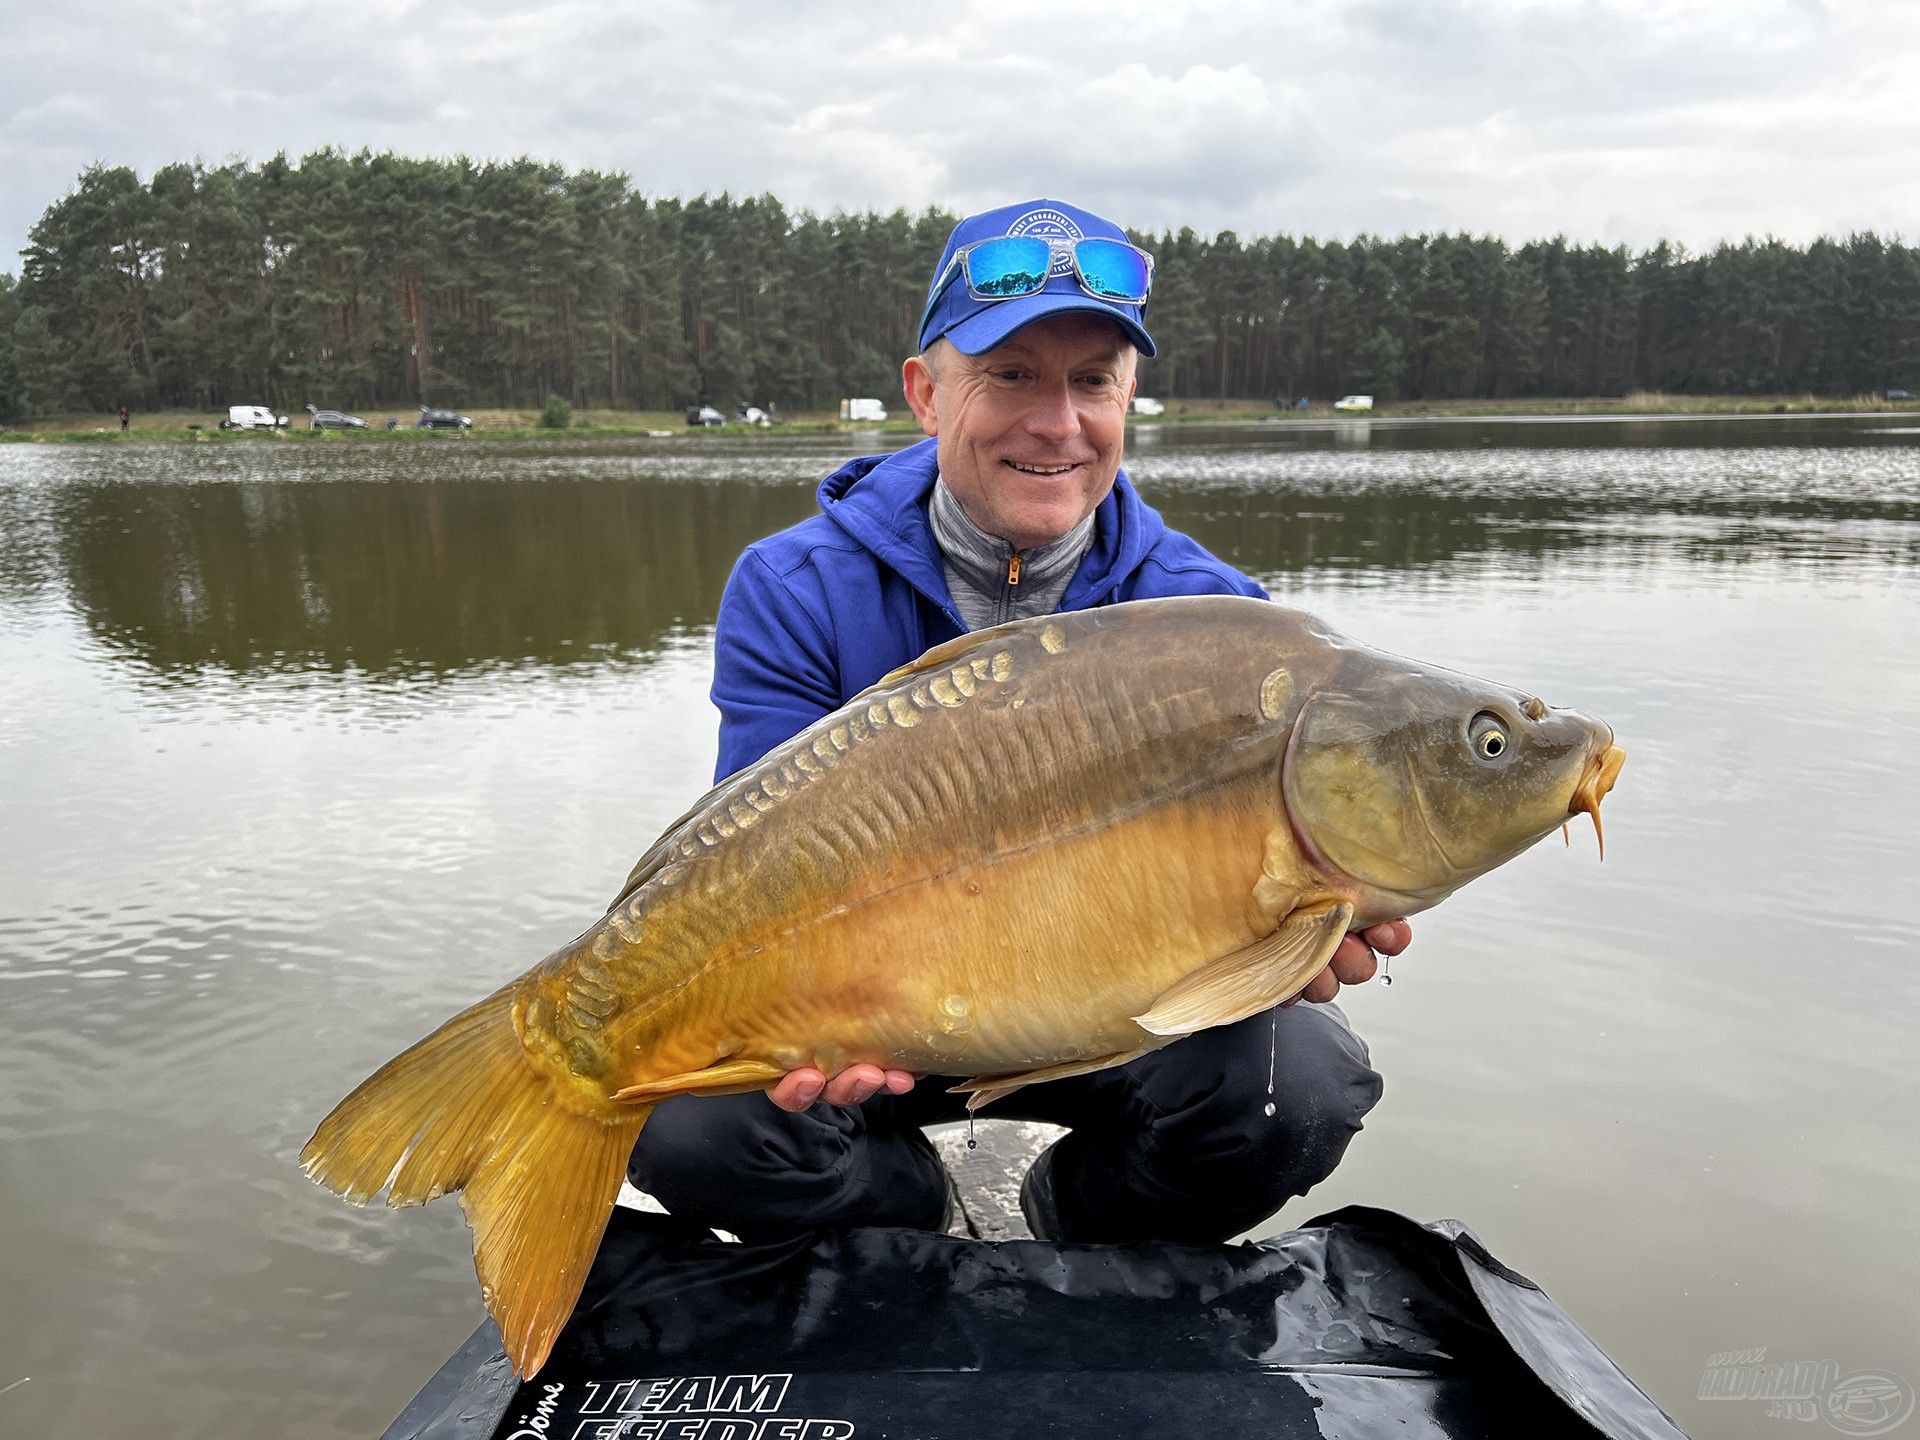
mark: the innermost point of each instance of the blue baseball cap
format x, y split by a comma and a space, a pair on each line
973, 326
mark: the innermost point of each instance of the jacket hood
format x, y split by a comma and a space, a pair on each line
880, 501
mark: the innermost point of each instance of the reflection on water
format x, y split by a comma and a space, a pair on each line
304, 747
589, 554
436, 575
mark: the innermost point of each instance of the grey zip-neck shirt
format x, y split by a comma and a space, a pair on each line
978, 565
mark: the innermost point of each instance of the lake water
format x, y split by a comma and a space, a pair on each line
303, 748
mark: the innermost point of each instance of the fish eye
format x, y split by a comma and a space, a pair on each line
1488, 736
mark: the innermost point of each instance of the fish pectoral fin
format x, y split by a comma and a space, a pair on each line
1252, 979
983, 1090
728, 1077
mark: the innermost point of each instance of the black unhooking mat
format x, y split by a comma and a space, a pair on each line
1361, 1323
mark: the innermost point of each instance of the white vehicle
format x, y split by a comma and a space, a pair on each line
1146, 405
1354, 402
862, 410
252, 417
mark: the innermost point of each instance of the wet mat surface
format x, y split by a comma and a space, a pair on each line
1360, 1324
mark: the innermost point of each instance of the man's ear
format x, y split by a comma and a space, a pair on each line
916, 378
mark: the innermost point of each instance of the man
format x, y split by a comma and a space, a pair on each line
1015, 506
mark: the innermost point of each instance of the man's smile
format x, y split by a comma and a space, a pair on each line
1042, 469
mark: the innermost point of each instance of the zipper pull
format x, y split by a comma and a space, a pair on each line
1013, 568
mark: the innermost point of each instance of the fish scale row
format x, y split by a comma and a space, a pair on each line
847, 831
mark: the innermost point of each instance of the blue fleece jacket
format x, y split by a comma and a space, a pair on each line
815, 614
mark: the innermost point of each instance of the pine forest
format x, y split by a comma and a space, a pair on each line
375, 280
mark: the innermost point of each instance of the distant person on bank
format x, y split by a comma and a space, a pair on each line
1016, 506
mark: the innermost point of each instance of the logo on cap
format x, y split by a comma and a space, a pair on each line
1050, 225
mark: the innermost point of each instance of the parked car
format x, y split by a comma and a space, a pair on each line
1899, 394
704, 415
1354, 402
442, 420
252, 417
1147, 405
751, 415
862, 409
333, 420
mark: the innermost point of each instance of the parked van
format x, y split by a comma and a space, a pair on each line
252, 417
1146, 405
1354, 402
862, 410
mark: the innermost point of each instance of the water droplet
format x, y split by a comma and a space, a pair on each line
972, 1144
1267, 1108
1385, 978
1273, 1051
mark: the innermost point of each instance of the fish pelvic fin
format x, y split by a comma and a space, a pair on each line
1255, 978
733, 1077
467, 1110
983, 1090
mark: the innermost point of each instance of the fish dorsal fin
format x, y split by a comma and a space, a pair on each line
939, 657
949, 651
1255, 978
661, 851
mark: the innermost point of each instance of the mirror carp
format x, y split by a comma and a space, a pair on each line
1037, 851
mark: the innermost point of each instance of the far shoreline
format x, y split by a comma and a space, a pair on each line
194, 427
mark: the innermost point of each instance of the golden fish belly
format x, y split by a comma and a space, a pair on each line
979, 966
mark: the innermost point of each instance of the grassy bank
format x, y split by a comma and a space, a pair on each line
196, 425
1643, 402
1637, 403
189, 425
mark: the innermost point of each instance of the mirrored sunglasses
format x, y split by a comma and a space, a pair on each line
1008, 266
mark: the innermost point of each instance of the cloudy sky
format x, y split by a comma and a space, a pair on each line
1613, 120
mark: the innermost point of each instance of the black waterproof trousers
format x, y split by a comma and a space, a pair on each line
1177, 1145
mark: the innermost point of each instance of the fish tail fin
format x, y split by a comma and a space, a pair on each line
467, 1110
538, 1212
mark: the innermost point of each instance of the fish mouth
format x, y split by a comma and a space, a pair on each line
1601, 772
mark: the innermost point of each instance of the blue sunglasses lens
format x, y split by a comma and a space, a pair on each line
1113, 271
1011, 265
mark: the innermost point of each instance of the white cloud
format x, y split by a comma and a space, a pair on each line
1617, 120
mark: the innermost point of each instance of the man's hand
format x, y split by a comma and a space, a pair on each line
1354, 963
799, 1089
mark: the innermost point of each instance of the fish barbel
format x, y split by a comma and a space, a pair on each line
1037, 851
